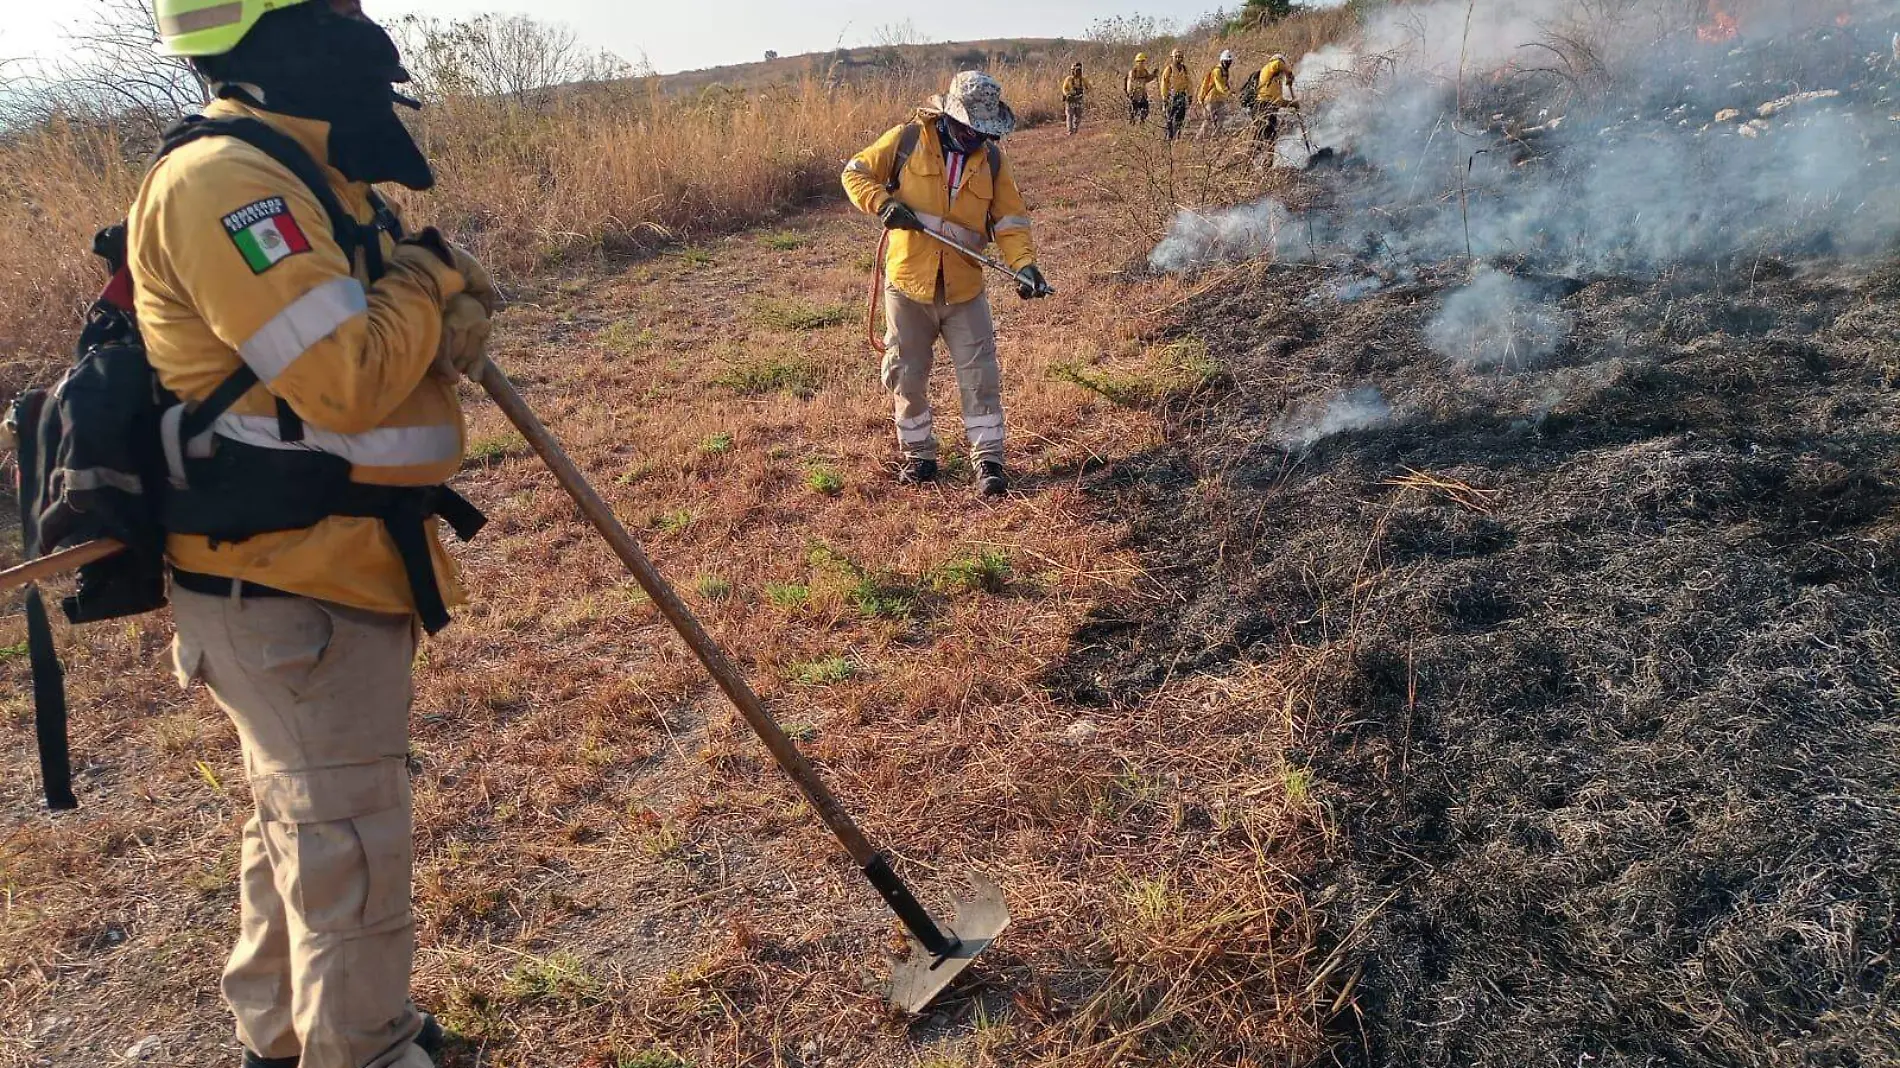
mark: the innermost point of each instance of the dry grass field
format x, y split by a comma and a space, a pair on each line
610, 871
1337, 687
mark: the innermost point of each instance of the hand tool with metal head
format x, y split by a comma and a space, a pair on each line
939, 954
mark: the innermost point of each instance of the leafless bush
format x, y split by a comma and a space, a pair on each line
510, 57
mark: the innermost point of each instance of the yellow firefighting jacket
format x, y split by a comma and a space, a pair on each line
1276, 82
981, 210
233, 259
1137, 84
1074, 87
1214, 87
1176, 79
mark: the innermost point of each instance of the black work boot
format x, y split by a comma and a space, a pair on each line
252, 1060
917, 473
990, 479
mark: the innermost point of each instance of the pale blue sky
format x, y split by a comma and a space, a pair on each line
685, 35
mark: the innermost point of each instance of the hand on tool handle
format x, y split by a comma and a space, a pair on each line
898, 216
1030, 283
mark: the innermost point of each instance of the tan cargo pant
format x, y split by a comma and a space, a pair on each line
320, 696
910, 339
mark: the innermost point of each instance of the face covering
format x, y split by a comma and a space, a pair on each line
314, 64
964, 139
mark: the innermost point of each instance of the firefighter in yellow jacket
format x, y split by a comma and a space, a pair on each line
1274, 95
1135, 87
1177, 91
1216, 89
945, 171
339, 349
1075, 91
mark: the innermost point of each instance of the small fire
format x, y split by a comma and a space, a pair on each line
1720, 27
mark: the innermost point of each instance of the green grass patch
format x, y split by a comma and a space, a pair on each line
714, 444
792, 375
639, 472
13, 652
560, 978
485, 451
783, 240
787, 596
674, 522
785, 314
825, 671
713, 588
875, 594
1176, 370
695, 257
987, 571
627, 337
824, 479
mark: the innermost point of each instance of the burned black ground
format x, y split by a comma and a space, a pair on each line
1601, 660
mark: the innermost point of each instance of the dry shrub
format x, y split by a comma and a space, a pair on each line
627, 168
58, 185
610, 170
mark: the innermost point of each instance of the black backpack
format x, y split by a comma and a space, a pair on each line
1250, 91
92, 462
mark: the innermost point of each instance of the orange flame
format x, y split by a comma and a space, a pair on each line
1720, 27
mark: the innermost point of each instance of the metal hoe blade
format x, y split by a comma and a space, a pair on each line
919, 979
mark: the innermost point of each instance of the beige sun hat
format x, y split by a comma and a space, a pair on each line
976, 100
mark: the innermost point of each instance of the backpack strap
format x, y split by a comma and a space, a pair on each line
352, 236
906, 147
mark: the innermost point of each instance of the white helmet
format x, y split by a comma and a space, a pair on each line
1226, 57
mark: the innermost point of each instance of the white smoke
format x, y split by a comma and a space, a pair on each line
1497, 322
1262, 230
1463, 142
1316, 419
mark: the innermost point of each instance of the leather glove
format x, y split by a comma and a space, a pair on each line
898, 216
476, 281
480, 284
464, 346
1030, 283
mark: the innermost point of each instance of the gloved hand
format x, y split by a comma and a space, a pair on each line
476, 281
898, 216
464, 346
481, 285
1030, 283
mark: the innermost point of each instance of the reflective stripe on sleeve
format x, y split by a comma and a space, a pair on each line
858, 166
954, 230
309, 319
1008, 223
389, 446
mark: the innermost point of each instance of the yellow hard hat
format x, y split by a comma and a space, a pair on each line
1141, 57
1177, 53
209, 27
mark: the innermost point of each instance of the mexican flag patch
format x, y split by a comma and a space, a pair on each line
265, 233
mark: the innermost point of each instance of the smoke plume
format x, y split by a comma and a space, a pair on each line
1497, 323
1587, 137
1314, 420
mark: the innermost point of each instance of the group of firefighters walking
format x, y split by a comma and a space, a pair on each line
1265, 96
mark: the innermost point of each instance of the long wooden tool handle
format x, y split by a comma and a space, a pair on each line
52, 564
784, 750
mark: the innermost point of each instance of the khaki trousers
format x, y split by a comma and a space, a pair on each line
1072, 109
320, 696
910, 339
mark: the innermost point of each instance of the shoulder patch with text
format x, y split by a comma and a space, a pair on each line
265, 233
